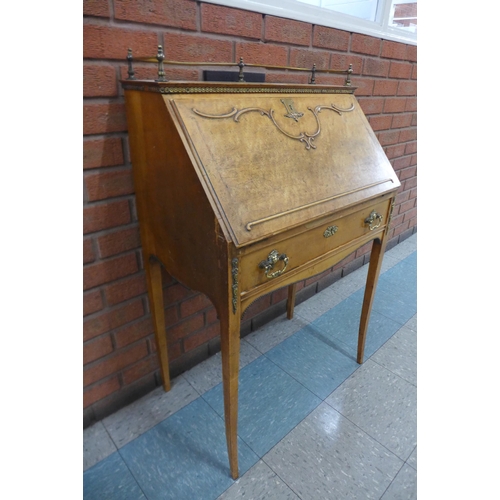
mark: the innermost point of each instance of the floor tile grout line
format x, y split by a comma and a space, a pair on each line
393, 479
110, 437
367, 433
278, 475
362, 430
388, 369
194, 388
406, 461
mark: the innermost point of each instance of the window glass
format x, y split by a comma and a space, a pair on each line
404, 15
364, 9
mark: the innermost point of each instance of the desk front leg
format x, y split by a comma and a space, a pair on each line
375, 265
230, 320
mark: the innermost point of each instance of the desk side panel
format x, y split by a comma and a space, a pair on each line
178, 223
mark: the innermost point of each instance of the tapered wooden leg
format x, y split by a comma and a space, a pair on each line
290, 304
154, 282
230, 351
376, 256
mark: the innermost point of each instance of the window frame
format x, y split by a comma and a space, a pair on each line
314, 15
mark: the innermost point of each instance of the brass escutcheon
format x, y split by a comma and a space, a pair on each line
370, 220
330, 231
273, 257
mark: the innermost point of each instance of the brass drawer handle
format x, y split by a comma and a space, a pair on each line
272, 259
370, 220
330, 231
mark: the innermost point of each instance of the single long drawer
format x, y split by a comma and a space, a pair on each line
322, 237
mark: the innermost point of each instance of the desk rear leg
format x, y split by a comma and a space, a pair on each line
155, 290
290, 303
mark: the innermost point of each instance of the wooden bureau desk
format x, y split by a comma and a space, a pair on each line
245, 188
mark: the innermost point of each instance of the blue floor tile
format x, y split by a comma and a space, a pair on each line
185, 456
271, 404
396, 293
342, 324
402, 276
110, 479
400, 307
317, 361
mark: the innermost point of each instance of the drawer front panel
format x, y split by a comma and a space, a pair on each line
271, 262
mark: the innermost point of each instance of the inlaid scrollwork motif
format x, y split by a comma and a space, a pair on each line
234, 273
304, 137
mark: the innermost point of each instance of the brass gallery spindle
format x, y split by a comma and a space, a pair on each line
313, 75
241, 76
348, 77
131, 74
160, 56
160, 60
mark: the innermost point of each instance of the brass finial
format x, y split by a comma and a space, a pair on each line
313, 75
241, 64
348, 77
160, 56
131, 74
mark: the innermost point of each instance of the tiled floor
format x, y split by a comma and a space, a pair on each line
313, 424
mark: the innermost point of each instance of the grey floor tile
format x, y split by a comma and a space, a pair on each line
319, 304
389, 261
399, 355
259, 483
97, 445
404, 486
328, 457
412, 460
274, 332
270, 404
110, 479
208, 373
405, 248
185, 456
137, 418
412, 323
351, 283
381, 404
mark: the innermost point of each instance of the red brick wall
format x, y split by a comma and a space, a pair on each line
120, 362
